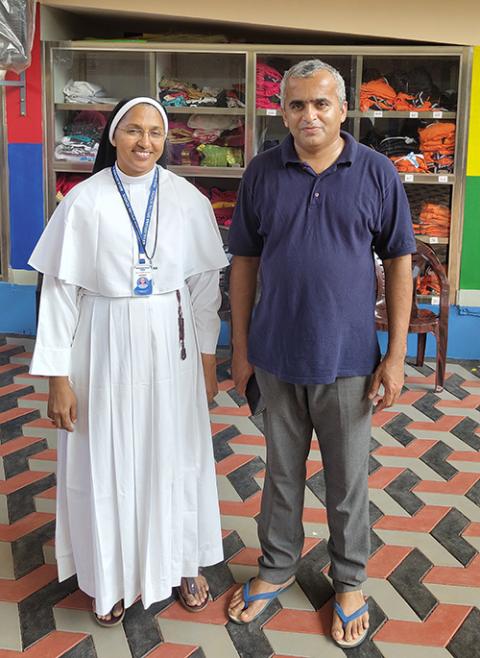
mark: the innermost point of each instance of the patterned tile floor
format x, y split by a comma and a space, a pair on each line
424, 571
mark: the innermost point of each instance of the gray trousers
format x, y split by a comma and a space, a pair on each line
340, 413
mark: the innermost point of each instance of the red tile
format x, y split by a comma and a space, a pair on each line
468, 576
218, 427
15, 445
53, 645
247, 440
470, 402
170, 650
315, 515
230, 411
214, 613
409, 397
231, 463
20, 481
15, 591
249, 507
302, 621
386, 560
37, 397
13, 414
382, 477
436, 631
464, 456
424, 380
443, 424
315, 445
382, 417
423, 521
458, 485
249, 556
8, 347
12, 388
226, 385
414, 449
41, 423
13, 531
313, 467
49, 455
76, 601
51, 493
8, 367
473, 530
471, 383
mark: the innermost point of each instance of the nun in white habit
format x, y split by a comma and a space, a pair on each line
127, 332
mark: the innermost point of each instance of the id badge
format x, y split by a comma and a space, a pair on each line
142, 280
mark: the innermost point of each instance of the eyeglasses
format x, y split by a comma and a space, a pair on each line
139, 133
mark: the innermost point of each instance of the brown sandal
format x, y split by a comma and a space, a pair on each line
192, 588
114, 619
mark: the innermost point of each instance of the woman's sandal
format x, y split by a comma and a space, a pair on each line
345, 619
192, 587
114, 619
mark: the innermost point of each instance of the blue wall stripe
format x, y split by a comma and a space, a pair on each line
17, 304
26, 201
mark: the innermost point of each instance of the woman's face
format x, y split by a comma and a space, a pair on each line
139, 139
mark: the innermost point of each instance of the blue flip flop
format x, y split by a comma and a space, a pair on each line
345, 619
265, 596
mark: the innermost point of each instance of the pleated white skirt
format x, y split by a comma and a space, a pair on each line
137, 504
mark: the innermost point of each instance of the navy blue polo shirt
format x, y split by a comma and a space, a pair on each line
315, 235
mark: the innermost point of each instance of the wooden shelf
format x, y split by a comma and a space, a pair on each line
237, 111
430, 239
79, 107
207, 172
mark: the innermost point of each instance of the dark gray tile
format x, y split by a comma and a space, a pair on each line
232, 544
465, 431
474, 493
375, 512
447, 532
249, 639
219, 578
7, 377
156, 608
221, 449
466, 641
198, 653
20, 503
454, 386
368, 649
375, 542
10, 400
242, 478
396, 428
27, 551
17, 462
6, 355
373, 465
236, 397
84, 649
141, 630
407, 581
316, 484
426, 405
12, 428
310, 577
436, 458
36, 611
400, 490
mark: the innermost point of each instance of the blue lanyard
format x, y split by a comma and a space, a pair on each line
141, 235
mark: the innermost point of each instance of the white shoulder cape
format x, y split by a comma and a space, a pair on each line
89, 241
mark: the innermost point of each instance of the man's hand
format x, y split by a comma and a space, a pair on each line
62, 403
209, 362
390, 373
241, 371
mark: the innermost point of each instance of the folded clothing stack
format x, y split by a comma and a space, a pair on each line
377, 95
177, 93
66, 182
82, 136
223, 203
433, 220
81, 91
412, 163
268, 81
437, 143
207, 140
428, 284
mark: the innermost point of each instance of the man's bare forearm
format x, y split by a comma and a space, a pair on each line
243, 286
398, 295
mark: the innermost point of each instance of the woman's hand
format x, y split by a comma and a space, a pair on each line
62, 403
209, 362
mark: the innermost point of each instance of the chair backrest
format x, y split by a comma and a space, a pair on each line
423, 261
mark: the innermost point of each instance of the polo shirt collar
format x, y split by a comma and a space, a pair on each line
346, 157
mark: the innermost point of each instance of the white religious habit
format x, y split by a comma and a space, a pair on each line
137, 504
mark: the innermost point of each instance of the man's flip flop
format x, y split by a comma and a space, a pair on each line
192, 589
114, 619
264, 596
345, 619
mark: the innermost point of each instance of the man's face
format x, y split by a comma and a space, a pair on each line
312, 112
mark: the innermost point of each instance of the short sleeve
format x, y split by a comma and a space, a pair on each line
244, 238
395, 235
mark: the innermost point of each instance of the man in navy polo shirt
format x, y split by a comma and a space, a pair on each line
310, 213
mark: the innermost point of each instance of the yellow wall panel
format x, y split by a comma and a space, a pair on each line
473, 159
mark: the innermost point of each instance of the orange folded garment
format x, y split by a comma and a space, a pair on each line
413, 163
377, 95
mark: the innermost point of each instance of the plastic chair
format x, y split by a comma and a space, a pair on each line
422, 321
